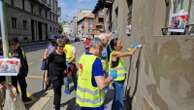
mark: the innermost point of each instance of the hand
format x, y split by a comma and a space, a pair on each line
1, 86
136, 45
13, 93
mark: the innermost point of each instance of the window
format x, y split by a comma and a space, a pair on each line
101, 20
32, 8
180, 5
191, 18
45, 12
50, 16
24, 24
14, 22
116, 11
178, 17
50, 29
23, 4
53, 17
12, 2
40, 11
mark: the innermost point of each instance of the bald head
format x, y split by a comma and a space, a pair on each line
104, 37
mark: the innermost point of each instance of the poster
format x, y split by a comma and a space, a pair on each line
9, 66
178, 22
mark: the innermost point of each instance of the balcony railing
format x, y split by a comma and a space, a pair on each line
42, 3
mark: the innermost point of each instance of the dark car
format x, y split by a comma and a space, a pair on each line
77, 39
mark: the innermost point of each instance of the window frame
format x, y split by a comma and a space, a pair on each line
169, 14
14, 23
25, 27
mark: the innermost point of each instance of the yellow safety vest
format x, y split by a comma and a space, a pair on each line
11, 55
68, 49
120, 69
87, 95
105, 64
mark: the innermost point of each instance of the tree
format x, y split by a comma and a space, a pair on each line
60, 29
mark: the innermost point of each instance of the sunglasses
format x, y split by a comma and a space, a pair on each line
61, 46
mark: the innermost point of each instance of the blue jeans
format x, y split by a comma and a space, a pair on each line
118, 103
97, 108
66, 83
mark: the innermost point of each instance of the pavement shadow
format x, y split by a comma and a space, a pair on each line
71, 105
34, 48
35, 97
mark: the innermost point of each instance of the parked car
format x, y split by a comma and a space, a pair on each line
77, 39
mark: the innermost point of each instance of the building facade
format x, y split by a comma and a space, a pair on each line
67, 29
165, 79
161, 73
85, 23
116, 16
74, 27
32, 20
99, 22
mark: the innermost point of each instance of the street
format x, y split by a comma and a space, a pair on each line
34, 79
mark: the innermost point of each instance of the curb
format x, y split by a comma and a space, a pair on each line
45, 102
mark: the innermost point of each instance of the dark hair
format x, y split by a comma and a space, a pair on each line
67, 41
113, 43
16, 40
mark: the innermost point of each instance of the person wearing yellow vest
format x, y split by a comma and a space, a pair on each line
91, 79
69, 50
19, 53
104, 37
117, 63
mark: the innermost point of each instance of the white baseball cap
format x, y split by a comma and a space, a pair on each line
105, 35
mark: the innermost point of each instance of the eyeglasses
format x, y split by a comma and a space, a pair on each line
60, 46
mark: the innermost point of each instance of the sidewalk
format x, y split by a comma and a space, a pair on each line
67, 101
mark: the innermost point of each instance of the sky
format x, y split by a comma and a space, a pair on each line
70, 7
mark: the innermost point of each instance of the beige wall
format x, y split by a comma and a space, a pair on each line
166, 80
119, 23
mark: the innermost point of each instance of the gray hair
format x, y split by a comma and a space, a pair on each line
96, 41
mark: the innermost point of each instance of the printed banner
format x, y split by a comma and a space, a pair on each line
178, 22
9, 66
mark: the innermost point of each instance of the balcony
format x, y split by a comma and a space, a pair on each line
42, 3
108, 3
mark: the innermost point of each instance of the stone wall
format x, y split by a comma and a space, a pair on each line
162, 77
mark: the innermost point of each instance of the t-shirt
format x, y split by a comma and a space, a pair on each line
97, 70
56, 65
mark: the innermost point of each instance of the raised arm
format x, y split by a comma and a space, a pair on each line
124, 54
